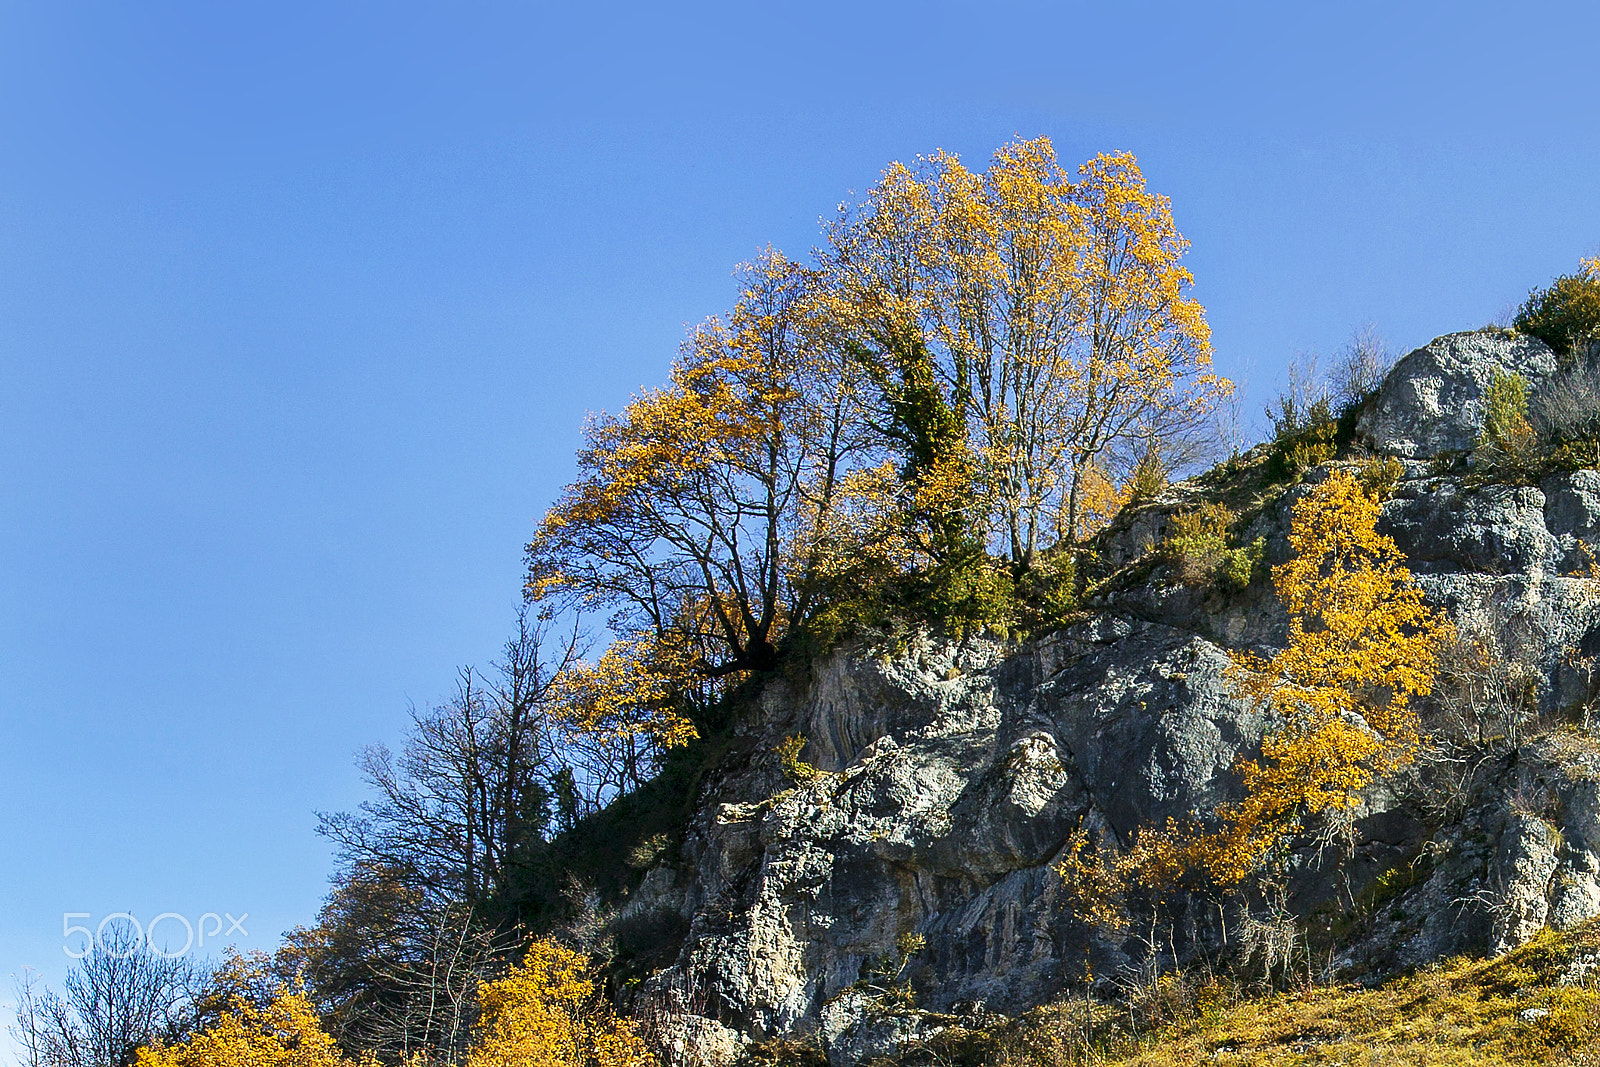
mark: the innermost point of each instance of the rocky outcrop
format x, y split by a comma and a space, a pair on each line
1432, 403
951, 772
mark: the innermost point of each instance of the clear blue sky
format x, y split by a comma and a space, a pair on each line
302, 305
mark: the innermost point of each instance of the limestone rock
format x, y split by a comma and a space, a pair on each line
923, 858
1433, 400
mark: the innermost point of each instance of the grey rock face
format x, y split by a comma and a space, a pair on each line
1510, 564
954, 771
1433, 400
953, 775
1525, 865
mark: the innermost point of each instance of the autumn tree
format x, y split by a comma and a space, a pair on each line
434, 870
1363, 645
1141, 372
391, 968
618, 717
284, 1033
547, 1012
682, 522
976, 362
1053, 314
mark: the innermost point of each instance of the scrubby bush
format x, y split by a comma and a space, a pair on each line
1566, 315
1315, 415
548, 1011
1237, 567
1149, 475
1508, 450
1047, 593
1379, 476
1554, 429
1199, 547
794, 768
1565, 413
1305, 428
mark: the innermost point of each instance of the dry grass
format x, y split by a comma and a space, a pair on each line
1537, 1005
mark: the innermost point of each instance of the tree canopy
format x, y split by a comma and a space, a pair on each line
970, 370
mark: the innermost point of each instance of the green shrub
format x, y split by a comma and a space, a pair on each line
1508, 450
967, 594
1237, 567
1199, 547
1506, 411
1302, 438
1567, 314
1047, 594
794, 768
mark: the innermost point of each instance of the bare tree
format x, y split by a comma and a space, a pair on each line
424, 906
468, 801
121, 995
1361, 365
392, 972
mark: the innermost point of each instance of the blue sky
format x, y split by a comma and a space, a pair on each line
302, 305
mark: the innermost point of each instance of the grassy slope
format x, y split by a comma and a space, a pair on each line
1535, 1005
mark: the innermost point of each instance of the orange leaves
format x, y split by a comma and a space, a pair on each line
975, 362
1362, 641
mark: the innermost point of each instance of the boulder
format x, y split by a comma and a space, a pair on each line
1432, 402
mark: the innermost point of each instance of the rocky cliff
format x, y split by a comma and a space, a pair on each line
951, 772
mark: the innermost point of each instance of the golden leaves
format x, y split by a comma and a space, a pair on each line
285, 1033
1057, 310
1362, 645
627, 694
546, 1012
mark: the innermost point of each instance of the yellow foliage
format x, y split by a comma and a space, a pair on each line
1362, 644
976, 362
1095, 881
1056, 311
545, 1013
620, 713
627, 692
1099, 499
285, 1033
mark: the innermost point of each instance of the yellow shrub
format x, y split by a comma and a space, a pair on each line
286, 1033
546, 1013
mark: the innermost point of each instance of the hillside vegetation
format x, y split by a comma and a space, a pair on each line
1536, 1005
884, 693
